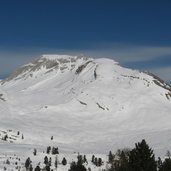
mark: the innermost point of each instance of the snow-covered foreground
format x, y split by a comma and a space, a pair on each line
16, 159
87, 105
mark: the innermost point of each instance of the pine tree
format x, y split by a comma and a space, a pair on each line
124, 160
7, 162
77, 167
35, 152
110, 157
27, 163
142, 158
48, 149
93, 157
95, 161
50, 161
165, 165
80, 159
5, 137
159, 164
85, 159
55, 150
99, 161
46, 160
64, 161
37, 168
56, 162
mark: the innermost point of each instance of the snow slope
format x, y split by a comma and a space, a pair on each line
87, 105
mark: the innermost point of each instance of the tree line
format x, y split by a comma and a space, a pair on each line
140, 158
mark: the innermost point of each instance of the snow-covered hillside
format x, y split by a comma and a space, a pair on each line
87, 105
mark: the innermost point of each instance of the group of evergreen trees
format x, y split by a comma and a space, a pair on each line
47, 162
96, 161
140, 158
78, 166
164, 165
81, 161
53, 150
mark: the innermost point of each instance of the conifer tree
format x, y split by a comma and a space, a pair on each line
77, 167
93, 157
99, 161
56, 162
80, 159
142, 158
5, 137
50, 161
48, 149
159, 164
124, 160
37, 168
110, 157
7, 162
27, 163
35, 152
55, 150
85, 159
95, 161
64, 161
165, 165
46, 160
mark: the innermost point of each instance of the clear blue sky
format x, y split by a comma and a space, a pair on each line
137, 33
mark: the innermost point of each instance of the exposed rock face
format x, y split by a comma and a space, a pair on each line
49, 63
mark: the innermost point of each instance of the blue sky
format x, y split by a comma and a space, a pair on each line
136, 33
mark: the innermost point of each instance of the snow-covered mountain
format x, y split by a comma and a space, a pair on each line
87, 105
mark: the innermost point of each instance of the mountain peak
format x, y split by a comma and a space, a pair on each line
47, 63
62, 57
56, 56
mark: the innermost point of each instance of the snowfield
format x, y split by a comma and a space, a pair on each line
88, 105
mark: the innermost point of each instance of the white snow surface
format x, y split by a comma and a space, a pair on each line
87, 105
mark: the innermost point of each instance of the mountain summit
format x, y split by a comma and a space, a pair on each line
89, 105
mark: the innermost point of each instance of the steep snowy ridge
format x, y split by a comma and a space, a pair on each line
88, 105
46, 64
